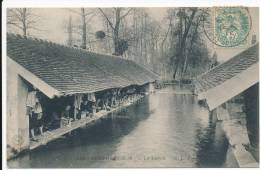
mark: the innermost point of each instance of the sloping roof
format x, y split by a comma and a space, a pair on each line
228, 69
70, 70
229, 79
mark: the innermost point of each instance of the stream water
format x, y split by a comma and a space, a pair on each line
166, 129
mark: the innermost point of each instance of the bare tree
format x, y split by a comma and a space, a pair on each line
86, 16
84, 27
23, 19
119, 14
69, 30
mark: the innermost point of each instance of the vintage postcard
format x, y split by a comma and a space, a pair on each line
131, 87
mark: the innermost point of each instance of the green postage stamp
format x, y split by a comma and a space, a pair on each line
231, 26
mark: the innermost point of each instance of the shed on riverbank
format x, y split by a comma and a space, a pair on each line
231, 90
57, 70
229, 78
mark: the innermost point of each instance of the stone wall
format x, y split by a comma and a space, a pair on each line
234, 124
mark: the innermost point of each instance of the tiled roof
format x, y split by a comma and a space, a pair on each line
227, 70
71, 70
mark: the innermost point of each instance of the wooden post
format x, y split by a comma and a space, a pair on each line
75, 109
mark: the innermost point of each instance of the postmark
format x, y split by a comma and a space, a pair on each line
230, 26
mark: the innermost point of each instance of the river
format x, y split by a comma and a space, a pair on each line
166, 129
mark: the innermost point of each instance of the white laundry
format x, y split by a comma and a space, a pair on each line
31, 99
37, 108
91, 97
78, 100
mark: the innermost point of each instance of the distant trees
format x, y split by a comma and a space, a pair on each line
79, 27
24, 19
146, 38
187, 47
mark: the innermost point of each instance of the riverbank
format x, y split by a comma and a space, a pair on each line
233, 121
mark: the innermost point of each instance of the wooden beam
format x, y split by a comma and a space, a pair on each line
232, 87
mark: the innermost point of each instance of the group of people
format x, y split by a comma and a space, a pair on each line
86, 105
75, 107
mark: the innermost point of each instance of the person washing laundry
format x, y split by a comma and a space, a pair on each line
66, 116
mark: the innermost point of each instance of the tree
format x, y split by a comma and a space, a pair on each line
185, 22
81, 29
185, 39
84, 27
143, 34
118, 16
69, 30
23, 19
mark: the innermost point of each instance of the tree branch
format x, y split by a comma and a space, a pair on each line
109, 22
16, 25
126, 13
79, 13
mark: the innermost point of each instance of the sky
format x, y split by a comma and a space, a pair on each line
52, 24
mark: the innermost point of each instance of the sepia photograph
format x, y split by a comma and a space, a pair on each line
131, 87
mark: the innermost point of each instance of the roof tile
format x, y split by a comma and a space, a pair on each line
228, 69
70, 70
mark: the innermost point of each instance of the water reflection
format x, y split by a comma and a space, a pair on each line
212, 145
167, 129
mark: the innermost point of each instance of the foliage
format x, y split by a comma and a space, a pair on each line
187, 49
100, 34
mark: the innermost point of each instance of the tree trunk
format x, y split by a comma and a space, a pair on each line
183, 37
84, 27
176, 68
69, 32
116, 33
24, 22
190, 49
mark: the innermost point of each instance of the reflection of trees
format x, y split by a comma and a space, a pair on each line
212, 145
111, 129
134, 114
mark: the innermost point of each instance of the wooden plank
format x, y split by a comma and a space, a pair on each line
236, 133
244, 158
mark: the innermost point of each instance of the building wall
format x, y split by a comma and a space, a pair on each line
17, 119
11, 108
22, 114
